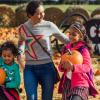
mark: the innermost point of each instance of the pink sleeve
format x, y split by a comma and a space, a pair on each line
86, 66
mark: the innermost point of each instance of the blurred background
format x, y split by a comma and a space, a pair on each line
54, 1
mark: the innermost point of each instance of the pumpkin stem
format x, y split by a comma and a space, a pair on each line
69, 52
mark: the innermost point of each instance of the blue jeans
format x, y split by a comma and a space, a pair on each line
43, 74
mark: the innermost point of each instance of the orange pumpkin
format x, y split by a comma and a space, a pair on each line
73, 56
97, 72
2, 76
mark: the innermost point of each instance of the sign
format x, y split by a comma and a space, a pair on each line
93, 31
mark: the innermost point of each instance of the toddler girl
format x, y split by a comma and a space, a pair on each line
8, 90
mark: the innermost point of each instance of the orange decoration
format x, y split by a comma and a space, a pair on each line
97, 72
73, 56
2, 76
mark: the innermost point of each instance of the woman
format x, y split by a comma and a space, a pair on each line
39, 67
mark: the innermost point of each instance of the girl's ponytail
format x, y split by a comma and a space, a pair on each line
88, 44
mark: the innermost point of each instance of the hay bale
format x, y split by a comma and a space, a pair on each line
96, 13
7, 16
78, 14
20, 15
54, 14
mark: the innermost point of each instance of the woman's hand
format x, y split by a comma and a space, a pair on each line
68, 66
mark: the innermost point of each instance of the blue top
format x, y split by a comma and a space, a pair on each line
13, 74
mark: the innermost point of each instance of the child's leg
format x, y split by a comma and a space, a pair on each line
75, 97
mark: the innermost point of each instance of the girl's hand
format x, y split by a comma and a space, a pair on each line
68, 66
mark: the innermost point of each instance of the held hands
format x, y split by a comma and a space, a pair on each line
68, 66
20, 62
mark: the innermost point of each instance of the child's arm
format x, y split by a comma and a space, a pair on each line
86, 66
15, 82
62, 65
66, 66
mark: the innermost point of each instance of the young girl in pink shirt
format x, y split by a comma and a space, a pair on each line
80, 83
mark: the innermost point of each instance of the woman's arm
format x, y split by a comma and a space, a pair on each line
58, 34
21, 41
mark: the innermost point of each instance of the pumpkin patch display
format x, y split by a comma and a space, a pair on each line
2, 76
73, 56
97, 72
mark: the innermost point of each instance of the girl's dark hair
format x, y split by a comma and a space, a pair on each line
82, 29
32, 6
11, 46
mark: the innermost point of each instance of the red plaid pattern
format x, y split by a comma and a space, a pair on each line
83, 92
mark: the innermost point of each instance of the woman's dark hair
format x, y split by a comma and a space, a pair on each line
32, 6
82, 30
11, 46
